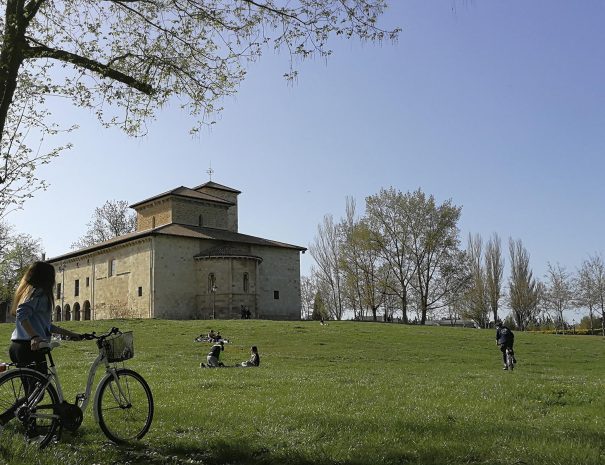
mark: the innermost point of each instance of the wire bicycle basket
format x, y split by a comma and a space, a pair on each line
119, 347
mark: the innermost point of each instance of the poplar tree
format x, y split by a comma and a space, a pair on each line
524, 290
494, 270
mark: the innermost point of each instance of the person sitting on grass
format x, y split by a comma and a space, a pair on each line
213, 356
254, 358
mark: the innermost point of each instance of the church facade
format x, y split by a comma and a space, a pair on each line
186, 260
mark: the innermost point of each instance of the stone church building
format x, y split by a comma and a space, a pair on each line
186, 260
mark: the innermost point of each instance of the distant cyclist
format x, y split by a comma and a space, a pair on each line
505, 339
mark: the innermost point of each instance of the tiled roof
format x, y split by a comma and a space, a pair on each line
186, 192
185, 230
102, 245
181, 230
215, 185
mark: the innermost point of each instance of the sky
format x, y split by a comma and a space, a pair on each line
496, 105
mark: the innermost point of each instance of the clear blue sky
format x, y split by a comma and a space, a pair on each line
498, 105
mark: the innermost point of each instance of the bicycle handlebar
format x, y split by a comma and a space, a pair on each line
93, 335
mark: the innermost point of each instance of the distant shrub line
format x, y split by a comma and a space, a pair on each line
577, 332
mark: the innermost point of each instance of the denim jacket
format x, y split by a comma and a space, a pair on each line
37, 309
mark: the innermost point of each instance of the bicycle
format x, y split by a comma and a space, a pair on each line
510, 359
122, 404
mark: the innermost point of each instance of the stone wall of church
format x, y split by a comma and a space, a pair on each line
278, 283
114, 282
158, 277
175, 277
182, 286
154, 214
187, 211
235, 282
232, 221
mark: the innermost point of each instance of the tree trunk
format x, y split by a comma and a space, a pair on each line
423, 309
404, 307
11, 56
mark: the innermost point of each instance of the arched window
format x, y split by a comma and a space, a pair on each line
86, 310
246, 283
67, 312
153, 221
211, 283
200, 220
57, 313
77, 311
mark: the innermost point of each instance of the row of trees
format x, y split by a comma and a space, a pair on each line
403, 256
403, 259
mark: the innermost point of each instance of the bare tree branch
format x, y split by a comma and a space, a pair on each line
91, 65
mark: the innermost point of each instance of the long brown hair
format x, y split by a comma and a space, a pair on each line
40, 275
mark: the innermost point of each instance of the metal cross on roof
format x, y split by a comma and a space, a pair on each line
210, 171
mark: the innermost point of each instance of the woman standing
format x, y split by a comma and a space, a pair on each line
32, 308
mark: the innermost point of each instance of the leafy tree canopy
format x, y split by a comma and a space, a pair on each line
17, 252
125, 59
111, 220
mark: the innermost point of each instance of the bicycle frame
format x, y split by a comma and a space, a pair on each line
82, 399
122, 404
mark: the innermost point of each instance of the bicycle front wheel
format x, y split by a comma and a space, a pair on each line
31, 403
124, 406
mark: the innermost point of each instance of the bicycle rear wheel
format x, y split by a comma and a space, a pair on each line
124, 406
510, 364
29, 399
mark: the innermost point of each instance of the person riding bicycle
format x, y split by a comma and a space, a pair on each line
32, 308
505, 340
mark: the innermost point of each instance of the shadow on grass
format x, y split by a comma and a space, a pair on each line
448, 440
243, 453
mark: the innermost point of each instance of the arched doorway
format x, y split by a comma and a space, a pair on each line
67, 312
57, 313
77, 311
86, 310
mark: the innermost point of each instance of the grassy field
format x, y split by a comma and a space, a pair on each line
345, 393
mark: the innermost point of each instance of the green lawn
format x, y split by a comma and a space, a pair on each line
345, 393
